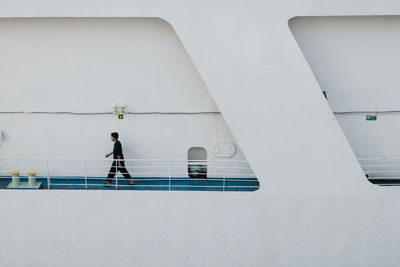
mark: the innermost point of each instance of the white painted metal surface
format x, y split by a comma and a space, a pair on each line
314, 207
67, 82
355, 60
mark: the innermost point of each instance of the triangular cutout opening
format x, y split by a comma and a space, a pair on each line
355, 59
69, 82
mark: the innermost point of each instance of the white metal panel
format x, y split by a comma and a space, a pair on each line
253, 68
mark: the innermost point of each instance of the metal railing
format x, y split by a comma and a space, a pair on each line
152, 174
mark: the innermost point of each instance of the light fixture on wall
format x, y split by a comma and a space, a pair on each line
123, 109
115, 109
119, 111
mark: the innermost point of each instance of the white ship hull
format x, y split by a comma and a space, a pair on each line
314, 206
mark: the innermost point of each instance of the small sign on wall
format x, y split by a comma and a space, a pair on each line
371, 117
120, 116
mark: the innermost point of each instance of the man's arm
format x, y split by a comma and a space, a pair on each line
119, 160
109, 154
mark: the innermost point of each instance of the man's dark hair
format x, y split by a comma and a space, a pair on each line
115, 135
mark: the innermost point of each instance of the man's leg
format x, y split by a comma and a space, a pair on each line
111, 173
125, 172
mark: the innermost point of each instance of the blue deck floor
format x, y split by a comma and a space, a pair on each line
385, 182
145, 183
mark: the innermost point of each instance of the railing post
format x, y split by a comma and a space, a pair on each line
84, 165
223, 183
116, 173
48, 174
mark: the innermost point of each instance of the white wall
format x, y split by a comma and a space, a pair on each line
143, 136
88, 136
356, 61
89, 65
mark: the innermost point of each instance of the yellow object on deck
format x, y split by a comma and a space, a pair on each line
17, 184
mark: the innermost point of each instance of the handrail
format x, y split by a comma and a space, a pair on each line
128, 159
81, 173
379, 158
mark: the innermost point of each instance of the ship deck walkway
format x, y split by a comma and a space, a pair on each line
144, 183
148, 174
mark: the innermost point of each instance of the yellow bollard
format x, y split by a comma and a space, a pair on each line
17, 184
14, 178
32, 179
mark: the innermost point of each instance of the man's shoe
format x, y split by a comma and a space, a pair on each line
107, 184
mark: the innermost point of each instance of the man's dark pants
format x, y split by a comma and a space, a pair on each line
120, 168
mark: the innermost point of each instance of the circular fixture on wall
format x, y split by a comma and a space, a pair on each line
224, 149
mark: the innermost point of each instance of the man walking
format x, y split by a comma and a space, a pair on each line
118, 163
